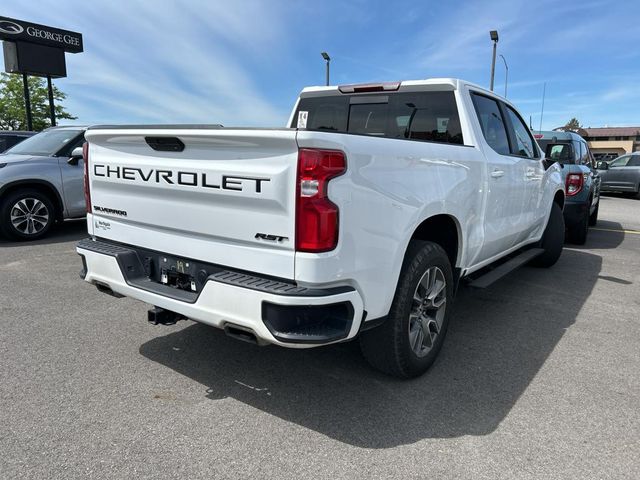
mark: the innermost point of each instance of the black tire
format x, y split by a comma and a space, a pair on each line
578, 232
41, 219
593, 218
552, 240
388, 347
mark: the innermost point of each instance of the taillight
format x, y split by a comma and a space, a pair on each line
316, 215
87, 193
574, 183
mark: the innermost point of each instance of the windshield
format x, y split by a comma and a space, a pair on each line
45, 144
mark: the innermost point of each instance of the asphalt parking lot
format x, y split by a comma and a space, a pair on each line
538, 378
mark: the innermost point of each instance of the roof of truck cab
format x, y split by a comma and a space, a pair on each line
549, 134
452, 83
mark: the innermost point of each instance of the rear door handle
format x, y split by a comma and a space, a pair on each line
497, 173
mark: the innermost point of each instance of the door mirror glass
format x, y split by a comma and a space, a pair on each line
603, 165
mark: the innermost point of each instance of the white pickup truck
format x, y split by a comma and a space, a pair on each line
360, 219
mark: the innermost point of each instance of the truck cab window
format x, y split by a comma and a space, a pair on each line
524, 144
491, 123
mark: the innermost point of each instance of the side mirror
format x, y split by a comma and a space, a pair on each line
76, 156
603, 165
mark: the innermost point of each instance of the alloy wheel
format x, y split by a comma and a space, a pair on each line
427, 311
29, 216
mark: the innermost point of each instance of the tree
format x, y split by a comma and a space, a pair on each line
13, 115
572, 125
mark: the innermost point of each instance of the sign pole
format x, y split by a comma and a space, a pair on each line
52, 108
27, 102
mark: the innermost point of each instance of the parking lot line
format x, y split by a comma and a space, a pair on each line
635, 232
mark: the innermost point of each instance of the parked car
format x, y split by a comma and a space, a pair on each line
581, 180
621, 174
41, 182
358, 220
9, 138
604, 157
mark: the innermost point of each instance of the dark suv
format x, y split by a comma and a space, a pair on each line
9, 138
581, 179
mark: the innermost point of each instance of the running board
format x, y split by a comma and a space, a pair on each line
510, 265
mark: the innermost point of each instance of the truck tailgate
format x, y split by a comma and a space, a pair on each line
227, 197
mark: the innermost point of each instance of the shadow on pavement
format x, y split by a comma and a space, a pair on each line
62, 232
618, 195
605, 235
498, 340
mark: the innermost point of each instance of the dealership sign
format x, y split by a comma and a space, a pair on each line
21, 31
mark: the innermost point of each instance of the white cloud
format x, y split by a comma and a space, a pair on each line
169, 61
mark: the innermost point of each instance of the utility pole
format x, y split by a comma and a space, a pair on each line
327, 58
544, 91
27, 102
506, 75
494, 37
52, 108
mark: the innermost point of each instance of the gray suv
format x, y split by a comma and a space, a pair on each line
41, 182
621, 174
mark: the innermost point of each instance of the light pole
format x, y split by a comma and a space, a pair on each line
326, 56
506, 75
494, 37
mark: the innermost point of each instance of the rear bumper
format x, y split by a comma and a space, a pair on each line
277, 312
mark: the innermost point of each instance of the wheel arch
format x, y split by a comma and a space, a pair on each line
44, 187
559, 199
444, 230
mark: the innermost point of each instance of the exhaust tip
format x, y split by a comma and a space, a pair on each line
104, 288
243, 334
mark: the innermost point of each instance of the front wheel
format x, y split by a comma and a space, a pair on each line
552, 240
26, 215
409, 341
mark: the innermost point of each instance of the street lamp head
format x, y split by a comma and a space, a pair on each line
326, 56
494, 35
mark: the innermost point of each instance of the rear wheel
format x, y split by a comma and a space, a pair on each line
26, 215
593, 218
578, 232
409, 341
552, 240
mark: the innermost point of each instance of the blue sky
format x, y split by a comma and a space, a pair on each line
243, 62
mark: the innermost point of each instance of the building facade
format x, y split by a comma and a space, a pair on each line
612, 141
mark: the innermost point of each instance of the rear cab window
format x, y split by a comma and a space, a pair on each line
430, 116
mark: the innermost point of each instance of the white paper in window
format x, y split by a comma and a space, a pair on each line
302, 119
443, 123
